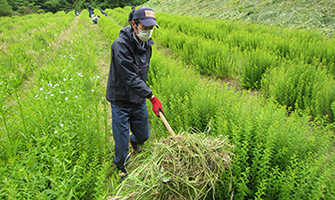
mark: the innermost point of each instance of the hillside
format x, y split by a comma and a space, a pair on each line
310, 14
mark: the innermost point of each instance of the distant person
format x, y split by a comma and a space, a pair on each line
95, 19
131, 14
90, 11
76, 12
103, 12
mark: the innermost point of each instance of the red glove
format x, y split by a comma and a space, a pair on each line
156, 106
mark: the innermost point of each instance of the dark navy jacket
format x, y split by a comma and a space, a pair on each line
129, 70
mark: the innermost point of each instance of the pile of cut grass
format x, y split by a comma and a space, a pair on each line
186, 166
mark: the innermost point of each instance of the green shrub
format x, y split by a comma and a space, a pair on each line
302, 87
258, 62
271, 149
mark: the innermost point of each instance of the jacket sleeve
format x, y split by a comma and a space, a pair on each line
130, 72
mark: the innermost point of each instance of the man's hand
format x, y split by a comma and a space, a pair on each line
156, 105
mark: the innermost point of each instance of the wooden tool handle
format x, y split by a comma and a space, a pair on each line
166, 124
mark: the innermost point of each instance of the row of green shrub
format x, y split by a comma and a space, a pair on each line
249, 53
54, 135
26, 23
120, 15
276, 156
25, 45
307, 45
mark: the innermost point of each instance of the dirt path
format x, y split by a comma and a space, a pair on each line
104, 54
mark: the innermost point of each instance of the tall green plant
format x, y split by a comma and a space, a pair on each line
302, 87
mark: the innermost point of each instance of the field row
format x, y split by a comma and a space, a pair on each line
25, 45
54, 135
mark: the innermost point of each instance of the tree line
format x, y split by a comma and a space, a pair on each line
23, 7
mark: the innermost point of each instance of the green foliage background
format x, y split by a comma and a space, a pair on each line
22, 7
5, 10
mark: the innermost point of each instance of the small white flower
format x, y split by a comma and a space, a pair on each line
54, 148
61, 125
42, 49
76, 97
70, 79
66, 98
55, 132
41, 89
64, 79
52, 95
92, 90
36, 96
61, 92
64, 56
63, 70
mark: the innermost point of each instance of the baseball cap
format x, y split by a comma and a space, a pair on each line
146, 16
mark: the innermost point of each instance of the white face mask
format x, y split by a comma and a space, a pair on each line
145, 35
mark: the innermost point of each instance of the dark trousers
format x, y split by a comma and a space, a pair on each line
123, 118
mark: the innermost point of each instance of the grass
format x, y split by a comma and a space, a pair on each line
185, 166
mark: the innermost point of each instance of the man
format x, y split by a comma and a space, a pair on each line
103, 12
131, 15
90, 11
95, 19
126, 88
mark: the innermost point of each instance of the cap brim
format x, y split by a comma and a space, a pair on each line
148, 22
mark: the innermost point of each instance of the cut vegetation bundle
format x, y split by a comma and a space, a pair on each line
186, 166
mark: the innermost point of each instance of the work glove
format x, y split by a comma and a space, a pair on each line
156, 106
